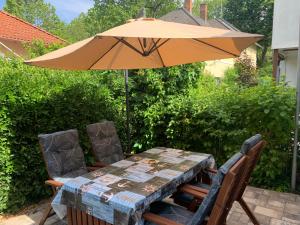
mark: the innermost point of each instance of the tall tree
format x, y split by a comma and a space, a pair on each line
15, 7
36, 12
158, 8
215, 8
253, 16
108, 13
76, 30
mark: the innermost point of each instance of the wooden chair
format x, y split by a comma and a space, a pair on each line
254, 154
106, 145
64, 160
210, 213
78, 217
252, 148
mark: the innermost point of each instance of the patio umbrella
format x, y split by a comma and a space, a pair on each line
147, 43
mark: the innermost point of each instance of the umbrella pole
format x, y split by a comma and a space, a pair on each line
128, 150
294, 165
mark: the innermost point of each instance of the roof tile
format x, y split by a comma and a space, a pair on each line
14, 28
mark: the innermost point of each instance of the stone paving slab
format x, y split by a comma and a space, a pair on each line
270, 208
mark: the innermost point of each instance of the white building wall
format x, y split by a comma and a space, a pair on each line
285, 37
288, 67
286, 24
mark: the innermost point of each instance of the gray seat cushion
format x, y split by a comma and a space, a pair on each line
62, 153
170, 211
105, 142
250, 143
208, 202
65, 178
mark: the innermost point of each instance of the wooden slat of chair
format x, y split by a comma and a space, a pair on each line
226, 195
69, 216
95, 221
84, 218
248, 211
159, 220
195, 193
196, 188
78, 217
74, 217
90, 220
254, 155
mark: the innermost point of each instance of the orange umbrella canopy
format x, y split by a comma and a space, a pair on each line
148, 43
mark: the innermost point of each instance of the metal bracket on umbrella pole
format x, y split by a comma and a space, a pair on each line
128, 150
295, 152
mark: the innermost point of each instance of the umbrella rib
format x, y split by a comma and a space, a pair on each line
203, 42
161, 44
154, 45
161, 59
141, 45
130, 46
114, 45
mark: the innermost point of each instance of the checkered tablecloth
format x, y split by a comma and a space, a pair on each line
121, 192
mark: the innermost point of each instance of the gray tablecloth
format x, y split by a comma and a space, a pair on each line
121, 192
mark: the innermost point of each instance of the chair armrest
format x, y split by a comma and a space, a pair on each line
195, 193
210, 170
54, 183
92, 168
159, 220
99, 164
199, 189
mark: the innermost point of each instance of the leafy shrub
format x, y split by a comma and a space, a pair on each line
34, 101
217, 118
169, 107
37, 48
152, 86
246, 71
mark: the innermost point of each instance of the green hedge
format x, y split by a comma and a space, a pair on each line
170, 107
217, 118
34, 101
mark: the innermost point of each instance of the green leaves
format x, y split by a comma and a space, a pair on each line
34, 101
252, 16
172, 107
217, 118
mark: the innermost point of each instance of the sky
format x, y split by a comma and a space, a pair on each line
67, 10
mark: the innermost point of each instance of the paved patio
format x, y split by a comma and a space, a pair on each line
270, 207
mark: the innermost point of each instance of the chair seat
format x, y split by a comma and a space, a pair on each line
68, 176
170, 211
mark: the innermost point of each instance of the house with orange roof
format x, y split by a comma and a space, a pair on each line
15, 32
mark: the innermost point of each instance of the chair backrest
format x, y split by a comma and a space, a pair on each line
217, 184
226, 194
105, 141
62, 153
250, 143
252, 148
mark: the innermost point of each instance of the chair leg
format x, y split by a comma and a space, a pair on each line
248, 211
46, 214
